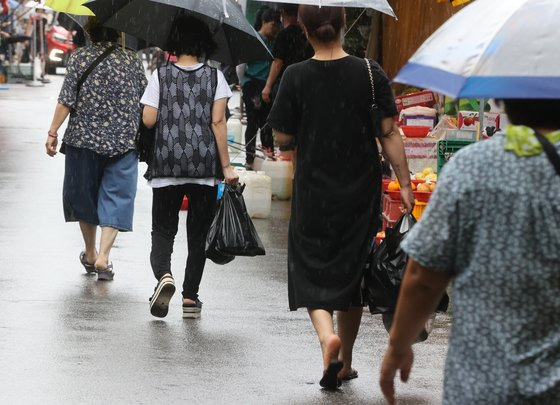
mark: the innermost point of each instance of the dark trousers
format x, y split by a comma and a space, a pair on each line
166, 204
257, 113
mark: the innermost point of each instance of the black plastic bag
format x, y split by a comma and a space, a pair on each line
383, 276
232, 232
385, 273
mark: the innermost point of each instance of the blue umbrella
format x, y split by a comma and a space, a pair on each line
492, 49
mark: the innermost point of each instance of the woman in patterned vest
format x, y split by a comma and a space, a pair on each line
186, 103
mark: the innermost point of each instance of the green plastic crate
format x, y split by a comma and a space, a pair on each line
446, 149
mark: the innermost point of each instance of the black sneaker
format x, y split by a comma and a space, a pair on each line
159, 302
192, 310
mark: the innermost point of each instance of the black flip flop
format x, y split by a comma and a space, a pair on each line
90, 268
353, 374
330, 380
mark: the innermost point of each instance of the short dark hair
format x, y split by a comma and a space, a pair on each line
290, 9
269, 15
534, 113
322, 23
99, 33
190, 36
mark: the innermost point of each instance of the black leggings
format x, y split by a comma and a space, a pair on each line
166, 204
257, 113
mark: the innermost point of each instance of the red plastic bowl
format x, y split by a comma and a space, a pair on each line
395, 195
415, 132
385, 184
422, 196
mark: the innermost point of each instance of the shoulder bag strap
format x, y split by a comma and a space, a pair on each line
96, 62
550, 151
373, 104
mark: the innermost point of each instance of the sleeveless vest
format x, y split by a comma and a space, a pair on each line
184, 143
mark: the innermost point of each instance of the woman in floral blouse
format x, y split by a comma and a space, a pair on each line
101, 166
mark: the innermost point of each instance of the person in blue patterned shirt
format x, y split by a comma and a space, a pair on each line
493, 227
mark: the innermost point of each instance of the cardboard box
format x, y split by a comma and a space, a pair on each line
468, 120
423, 98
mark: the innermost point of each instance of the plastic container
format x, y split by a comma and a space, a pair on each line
419, 208
415, 132
257, 194
281, 174
235, 130
387, 223
258, 163
446, 149
392, 209
385, 184
422, 196
185, 204
394, 195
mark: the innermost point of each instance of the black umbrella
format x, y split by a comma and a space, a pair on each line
72, 22
152, 20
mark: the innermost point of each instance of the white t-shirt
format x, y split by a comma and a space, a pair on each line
151, 98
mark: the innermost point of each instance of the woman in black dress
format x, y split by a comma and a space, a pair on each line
323, 107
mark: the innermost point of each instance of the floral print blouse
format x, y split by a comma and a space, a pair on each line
107, 111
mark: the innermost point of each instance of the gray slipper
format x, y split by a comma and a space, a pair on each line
353, 374
107, 274
90, 268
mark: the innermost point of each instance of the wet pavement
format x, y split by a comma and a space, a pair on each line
66, 338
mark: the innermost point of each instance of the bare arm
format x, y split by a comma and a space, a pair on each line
60, 114
419, 296
219, 128
393, 149
282, 139
149, 116
275, 70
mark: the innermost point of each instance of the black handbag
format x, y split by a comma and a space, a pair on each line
550, 151
375, 114
145, 137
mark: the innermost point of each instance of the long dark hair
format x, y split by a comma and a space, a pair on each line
322, 23
190, 36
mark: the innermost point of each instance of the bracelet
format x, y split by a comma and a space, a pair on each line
53, 136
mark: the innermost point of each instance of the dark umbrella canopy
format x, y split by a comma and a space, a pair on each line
152, 20
72, 22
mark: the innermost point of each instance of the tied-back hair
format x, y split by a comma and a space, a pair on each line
190, 36
323, 24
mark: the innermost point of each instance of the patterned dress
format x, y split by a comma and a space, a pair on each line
494, 225
107, 110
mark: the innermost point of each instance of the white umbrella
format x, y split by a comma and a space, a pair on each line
379, 5
492, 49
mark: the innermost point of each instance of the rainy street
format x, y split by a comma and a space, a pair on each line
67, 338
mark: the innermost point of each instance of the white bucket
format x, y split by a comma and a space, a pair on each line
281, 175
257, 194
